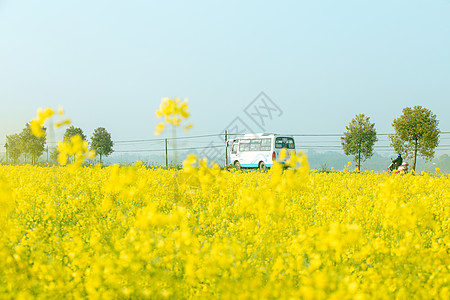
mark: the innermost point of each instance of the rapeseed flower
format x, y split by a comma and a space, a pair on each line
37, 123
174, 111
74, 147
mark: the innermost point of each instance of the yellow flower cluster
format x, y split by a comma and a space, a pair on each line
43, 115
116, 232
74, 147
37, 123
173, 111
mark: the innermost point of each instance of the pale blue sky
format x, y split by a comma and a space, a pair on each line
109, 63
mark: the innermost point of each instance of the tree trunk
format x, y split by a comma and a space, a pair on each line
415, 155
359, 161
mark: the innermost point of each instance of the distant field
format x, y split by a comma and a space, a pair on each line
207, 233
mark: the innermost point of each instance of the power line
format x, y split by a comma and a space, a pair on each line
169, 138
236, 134
386, 147
304, 144
163, 150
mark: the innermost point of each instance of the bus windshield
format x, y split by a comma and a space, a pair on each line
284, 142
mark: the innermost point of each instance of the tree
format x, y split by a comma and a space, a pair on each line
14, 147
359, 139
73, 131
32, 145
54, 156
101, 142
416, 132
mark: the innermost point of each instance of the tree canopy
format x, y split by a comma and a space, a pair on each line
359, 139
32, 145
416, 133
68, 134
13, 148
73, 131
101, 142
26, 144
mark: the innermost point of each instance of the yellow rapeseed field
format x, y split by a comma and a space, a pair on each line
204, 233
76, 232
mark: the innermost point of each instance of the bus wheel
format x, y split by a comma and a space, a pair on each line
262, 166
237, 165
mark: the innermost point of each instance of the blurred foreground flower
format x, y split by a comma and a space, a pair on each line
43, 115
173, 111
77, 147
160, 128
37, 123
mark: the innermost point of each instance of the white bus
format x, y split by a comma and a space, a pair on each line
259, 150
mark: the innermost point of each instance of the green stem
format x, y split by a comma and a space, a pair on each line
175, 158
174, 136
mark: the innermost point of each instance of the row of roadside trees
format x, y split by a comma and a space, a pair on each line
29, 148
416, 134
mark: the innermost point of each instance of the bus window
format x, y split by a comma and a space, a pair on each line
265, 144
255, 145
234, 148
284, 142
244, 145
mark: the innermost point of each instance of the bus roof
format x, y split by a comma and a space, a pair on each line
257, 135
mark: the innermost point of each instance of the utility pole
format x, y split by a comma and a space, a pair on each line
6, 146
226, 149
167, 162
